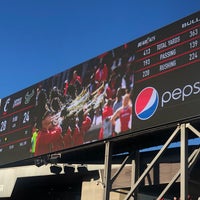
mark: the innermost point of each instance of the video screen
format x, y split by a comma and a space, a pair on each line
146, 83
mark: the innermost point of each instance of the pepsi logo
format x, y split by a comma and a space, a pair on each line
146, 103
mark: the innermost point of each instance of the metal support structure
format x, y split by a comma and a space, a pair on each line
191, 160
107, 170
184, 163
152, 163
121, 168
195, 131
185, 168
108, 181
135, 172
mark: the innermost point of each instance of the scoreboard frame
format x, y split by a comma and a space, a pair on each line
148, 83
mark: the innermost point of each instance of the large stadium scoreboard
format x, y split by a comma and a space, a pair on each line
158, 73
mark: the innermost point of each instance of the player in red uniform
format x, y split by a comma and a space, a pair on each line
49, 137
75, 79
77, 136
67, 138
101, 75
82, 127
76, 82
106, 129
124, 113
86, 124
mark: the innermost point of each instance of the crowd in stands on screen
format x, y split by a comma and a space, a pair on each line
76, 81
57, 130
101, 74
49, 138
104, 102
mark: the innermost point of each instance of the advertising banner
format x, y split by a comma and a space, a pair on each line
146, 83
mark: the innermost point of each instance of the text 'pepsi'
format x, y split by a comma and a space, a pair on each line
180, 93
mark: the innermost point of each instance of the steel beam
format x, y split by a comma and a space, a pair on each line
192, 159
184, 163
150, 166
107, 170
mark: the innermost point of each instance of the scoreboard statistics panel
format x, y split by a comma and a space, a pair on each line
167, 83
16, 125
147, 83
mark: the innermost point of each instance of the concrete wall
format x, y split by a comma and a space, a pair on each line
8, 177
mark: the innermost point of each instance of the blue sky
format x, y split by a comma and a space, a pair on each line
40, 38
